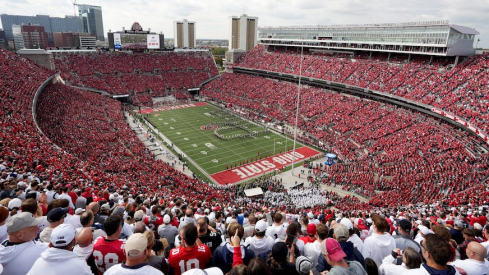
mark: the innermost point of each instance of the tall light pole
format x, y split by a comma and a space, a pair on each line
274, 146
297, 110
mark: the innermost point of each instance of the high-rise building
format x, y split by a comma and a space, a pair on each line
69, 23
184, 34
74, 40
244, 31
30, 36
92, 20
3, 39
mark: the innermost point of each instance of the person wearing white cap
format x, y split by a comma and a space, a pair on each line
59, 259
20, 251
168, 231
353, 238
311, 218
260, 243
136, 251
422, 233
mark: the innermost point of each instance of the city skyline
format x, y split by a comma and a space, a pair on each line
213, 16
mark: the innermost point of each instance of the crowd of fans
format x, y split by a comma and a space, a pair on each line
462, 90
85, 196
142, 76
59, 229
411, 157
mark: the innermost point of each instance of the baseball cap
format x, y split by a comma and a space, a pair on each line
56, 214
105, 206
477, 226
361, 224
166, 219
347, 223
341, 231
139, 215
457, 223
261, 226
79, 211
31, 195
21, 221
14, 203
208, 271
62, 235
406, 225
303, 265
333, 249
311, 229
310, 215
119, 210
21, 184
424, 230
279, 251
135, 245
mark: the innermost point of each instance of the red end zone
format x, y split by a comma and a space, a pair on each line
257, 168
164, 108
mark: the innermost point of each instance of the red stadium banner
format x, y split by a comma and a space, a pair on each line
262, 166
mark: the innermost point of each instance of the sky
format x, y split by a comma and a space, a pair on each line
211, 16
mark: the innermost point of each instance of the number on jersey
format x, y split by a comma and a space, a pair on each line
190, 264
104, 263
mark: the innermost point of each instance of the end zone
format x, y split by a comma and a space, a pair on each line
262, 166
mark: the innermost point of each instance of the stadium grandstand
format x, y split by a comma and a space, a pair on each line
433, 38
404, 106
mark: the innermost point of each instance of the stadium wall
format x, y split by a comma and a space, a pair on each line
50, 80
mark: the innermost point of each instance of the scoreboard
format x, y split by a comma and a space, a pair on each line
135, 38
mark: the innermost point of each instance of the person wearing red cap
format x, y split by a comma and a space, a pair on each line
360, 225
311, 234
334, 255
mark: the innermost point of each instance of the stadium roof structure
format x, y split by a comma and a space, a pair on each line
436, 38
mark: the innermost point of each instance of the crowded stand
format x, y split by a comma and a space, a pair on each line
384, 148
461, 90
85, 196
143, 75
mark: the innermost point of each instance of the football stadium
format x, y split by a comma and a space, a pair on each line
348, 149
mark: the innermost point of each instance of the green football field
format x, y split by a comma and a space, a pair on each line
184, 128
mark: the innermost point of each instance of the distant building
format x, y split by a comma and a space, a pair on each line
69, 23
30, 36
92, 20
244, 31
3, 39
184, 34
74, 40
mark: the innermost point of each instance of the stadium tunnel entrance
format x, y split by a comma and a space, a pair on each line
124, 99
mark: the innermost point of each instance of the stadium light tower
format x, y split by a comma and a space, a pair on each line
297, 110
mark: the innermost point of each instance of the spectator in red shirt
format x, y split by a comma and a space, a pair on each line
191, 253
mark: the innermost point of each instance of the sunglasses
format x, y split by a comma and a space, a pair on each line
422, 245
